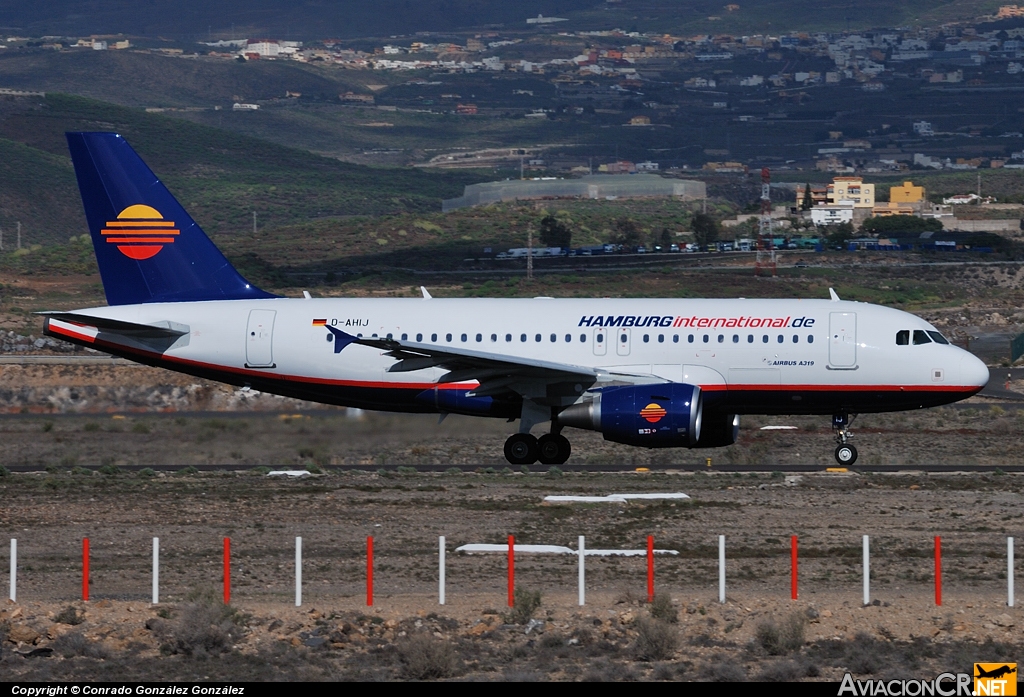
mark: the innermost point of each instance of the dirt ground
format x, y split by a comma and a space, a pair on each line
759, 633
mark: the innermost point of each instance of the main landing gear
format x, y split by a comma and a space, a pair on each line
846, 454
549, 449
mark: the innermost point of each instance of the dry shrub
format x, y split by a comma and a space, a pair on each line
722, 668
70, 615
524, 604
76, 644
655, 640
424, 658
781, 639
205, 627
661, 608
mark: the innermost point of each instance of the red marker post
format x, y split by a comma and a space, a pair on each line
793, 564
511, 570
369, 571
938, 570
227, 570
85, 569
650, 568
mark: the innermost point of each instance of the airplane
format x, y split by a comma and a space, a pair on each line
653, 373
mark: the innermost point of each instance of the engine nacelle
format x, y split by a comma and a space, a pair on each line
719, 431
651, 416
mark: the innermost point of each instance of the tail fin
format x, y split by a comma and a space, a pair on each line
147, 247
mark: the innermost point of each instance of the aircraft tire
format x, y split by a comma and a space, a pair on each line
846, 455
521, 449
553, 449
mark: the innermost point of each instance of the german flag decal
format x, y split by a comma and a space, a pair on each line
140, 232
319, 323
653, 412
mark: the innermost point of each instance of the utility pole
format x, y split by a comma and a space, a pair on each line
521, 177
979, 184
764, 264
1, 239
19, 234
529, 254
254, 222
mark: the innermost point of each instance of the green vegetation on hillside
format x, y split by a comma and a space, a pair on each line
220, 177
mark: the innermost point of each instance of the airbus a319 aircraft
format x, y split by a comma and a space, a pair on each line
653, 373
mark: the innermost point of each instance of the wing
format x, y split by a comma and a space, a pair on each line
546, 382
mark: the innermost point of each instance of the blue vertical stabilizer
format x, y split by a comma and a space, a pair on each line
147, 247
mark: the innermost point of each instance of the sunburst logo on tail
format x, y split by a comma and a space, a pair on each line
140, 232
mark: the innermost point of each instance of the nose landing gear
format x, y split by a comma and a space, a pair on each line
845, 453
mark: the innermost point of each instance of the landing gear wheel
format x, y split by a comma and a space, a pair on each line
846, 455
553, 449
521, 449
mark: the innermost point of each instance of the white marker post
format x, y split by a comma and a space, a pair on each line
14, 570
582, 574
867, 571
1009, 571
156, 570
721, 569
298, 572
440, 570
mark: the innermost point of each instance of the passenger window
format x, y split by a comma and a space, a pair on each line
433, 337
675, 338
903, 337
781, 338
522, 337
764, 339
750, 338
464, 337
939, 339
706, 338
568, 338
389, 336
508, 337
494, 337
796, 339
583, 338
810, 338
447, 337
405, 337
479, 338
661, 338
553, 338
647, 338
721, 338
735, 338
921, 337
600, 338
537, 338
689, 339
374, 335
419, 337
624, 338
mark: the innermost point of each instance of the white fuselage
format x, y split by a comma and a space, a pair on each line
751, 356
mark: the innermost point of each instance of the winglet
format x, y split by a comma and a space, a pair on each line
832, 294
426, 295
341, 339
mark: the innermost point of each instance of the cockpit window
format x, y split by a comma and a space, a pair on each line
938, 338
903, 337
921, 337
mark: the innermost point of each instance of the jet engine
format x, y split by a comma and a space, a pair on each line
719, 430
667, 415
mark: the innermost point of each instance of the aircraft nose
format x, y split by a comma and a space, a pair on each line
973, 371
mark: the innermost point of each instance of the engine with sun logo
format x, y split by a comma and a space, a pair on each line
652, 416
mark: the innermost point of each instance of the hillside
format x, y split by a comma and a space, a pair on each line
198, 20
220, 177
142, 79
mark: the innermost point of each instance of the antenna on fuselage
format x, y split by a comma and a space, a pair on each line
832, 294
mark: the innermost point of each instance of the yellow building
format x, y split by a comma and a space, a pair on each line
908, 193
852, 190
885, 210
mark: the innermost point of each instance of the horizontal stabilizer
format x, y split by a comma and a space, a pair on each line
162, 330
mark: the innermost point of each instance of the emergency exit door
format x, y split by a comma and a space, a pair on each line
259, 339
